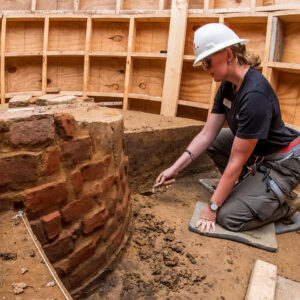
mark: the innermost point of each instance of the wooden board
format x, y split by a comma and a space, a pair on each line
148, 77
142, 4
23, 74
262, 282
148, 106
219, 4
15, 5
107, 75
193, 4
291, 42
287, 289
54, 4
195, 84
22, 36
151, 36
288, 92
110, 36
65, 73
67, 35
97, 5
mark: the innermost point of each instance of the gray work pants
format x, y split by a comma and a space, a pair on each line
251, 203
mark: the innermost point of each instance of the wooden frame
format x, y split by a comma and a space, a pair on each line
132, 45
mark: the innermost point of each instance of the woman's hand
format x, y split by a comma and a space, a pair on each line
165, 175
207, 220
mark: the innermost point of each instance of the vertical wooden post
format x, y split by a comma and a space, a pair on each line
119, 6
3, 31
174, 61
268, 45
86, 67
161, 5
45, 58
129, 63
76, 5
33, 5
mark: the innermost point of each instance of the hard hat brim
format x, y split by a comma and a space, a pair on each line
218, 48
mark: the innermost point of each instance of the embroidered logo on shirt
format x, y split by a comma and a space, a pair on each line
227, 103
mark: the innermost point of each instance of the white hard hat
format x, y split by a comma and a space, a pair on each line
211, 38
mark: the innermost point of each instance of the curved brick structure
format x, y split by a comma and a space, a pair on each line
69, 170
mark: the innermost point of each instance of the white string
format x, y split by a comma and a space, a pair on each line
20, 214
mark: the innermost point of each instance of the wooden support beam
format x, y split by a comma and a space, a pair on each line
3, 31
129, 62
262, 283
265, 59
174, 61
33, 5
45, 59
119, 6
76, 5
86, 66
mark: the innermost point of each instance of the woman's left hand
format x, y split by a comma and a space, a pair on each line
207, 220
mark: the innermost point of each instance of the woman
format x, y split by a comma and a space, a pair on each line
258, 156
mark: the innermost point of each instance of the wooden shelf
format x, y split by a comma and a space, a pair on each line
144, 97
273, 5
108, 54
106, 94
193, 104
149, 55
107, 75
23, 54
65, 53
286, 67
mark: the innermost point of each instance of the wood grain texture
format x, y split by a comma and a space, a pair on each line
97, 5
15, 5
54, 4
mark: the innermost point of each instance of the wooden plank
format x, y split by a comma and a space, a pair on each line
276, 44
97, 5
86, 56
262, 282
15, 5
129, 63
175, 57
33, 5
45, 58
2, 76
287, 289
119, 6
267, 46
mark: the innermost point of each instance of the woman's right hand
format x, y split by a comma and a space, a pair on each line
165, 175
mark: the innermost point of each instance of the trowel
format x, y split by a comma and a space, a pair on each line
157, 185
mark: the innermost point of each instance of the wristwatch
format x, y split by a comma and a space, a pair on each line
213, 206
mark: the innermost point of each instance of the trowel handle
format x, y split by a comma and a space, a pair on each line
170, 181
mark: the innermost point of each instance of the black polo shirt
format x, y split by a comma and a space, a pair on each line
253, 112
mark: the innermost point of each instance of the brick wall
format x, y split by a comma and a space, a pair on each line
68, 169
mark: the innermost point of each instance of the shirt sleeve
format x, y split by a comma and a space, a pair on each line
218, 107
254, 116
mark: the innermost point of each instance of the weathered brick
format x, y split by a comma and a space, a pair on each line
94, 222
65, 124
62, 267
52, 224
116, 239
96, 170
33, 131
51, 161
18, 168
45, 196
37, 228
77, 208
77, 181
110, 227
61, 247
81, 254
107, 184
76, 151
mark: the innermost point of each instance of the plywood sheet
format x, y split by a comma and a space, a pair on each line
65, 73
151, 36
22, 36
54, 4
110, 36
67, 36
23, 74
148, 77
142, 4
107, 75
97, 5
15, 5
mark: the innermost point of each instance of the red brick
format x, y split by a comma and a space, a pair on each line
94, 222
82, 254
77, 181
76, 151
107, 184
45, 196
65, 124
37, 229
77, 208
33, 131
52, 224
96, 170
110, 227
51, 161
62, 267
18, 168
61, 247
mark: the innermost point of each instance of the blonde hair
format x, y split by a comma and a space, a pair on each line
245, 57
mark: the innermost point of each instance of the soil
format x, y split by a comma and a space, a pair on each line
164, 260
23, 274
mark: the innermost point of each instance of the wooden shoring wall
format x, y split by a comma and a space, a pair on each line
141, 51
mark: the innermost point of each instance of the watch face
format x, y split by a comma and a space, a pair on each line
214, 206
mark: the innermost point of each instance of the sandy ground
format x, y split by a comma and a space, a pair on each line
20, 263
165, 261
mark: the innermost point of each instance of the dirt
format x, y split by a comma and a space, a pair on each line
166, 261
23, 275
